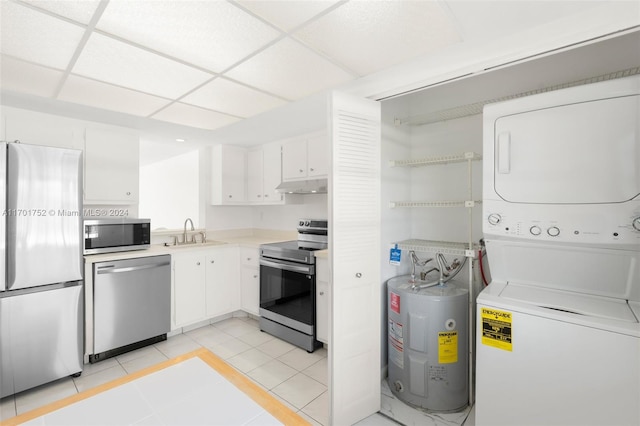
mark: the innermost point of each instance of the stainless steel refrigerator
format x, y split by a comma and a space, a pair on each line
41, 267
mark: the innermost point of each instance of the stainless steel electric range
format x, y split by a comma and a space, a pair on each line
288, 285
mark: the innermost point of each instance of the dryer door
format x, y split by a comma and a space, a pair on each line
580, 153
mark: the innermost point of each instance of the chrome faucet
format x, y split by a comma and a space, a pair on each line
184, 236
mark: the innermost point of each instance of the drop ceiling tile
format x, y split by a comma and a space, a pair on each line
78, 10
36, 37
93, 93
490, 19
112, 61
20, 76
188, 115
290, 70
210, 34
368, 36
287, 14
232, 98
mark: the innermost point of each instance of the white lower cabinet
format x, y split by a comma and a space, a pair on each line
204, 284
322, 300
189, 274
222, 276
250, 280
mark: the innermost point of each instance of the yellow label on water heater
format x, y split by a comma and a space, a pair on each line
447, 347
496, 328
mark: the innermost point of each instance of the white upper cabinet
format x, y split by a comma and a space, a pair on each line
272, 173
246, 176
228, 171
255, 161
317, 156
294, 159
111, 169
264, 174
305, 157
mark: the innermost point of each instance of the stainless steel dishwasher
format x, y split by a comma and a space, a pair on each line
132, 304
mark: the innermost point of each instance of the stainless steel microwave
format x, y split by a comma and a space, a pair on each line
113, 235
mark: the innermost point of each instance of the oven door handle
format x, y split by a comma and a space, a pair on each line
305, 269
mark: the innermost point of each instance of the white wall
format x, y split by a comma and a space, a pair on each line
446, 182
276, 217
285, 217
169, 191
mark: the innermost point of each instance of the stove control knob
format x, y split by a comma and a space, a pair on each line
535, 230
301, 223
554, 231
307, 223
494, 218
636, 223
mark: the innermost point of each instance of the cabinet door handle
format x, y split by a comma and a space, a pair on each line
213, 261
358, 275
259, 195
255, 276
198, 263
266, 195
301, 170
230, 196
322, 293
128, 193
311, 169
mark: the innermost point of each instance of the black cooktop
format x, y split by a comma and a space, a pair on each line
297, 251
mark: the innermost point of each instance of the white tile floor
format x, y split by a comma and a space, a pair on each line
293, 376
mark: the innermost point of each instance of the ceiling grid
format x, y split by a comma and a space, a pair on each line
203, 65
218, 62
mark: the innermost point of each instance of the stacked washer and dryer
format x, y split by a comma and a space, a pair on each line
558, 332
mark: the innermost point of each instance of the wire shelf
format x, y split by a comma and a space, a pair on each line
447, 159
444, 247
467, 203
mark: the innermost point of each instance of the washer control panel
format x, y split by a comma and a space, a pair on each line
590, 224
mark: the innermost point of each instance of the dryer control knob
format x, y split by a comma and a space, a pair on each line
494, 218
636, 223
535, 230
554, 231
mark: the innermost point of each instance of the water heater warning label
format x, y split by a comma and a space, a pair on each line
394, 303
496, 328
447, 347
396, 343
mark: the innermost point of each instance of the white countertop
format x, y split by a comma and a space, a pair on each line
323, 254
253, 241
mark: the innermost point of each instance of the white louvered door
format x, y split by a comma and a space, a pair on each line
354, 245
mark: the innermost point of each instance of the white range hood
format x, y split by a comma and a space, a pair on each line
313, 186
